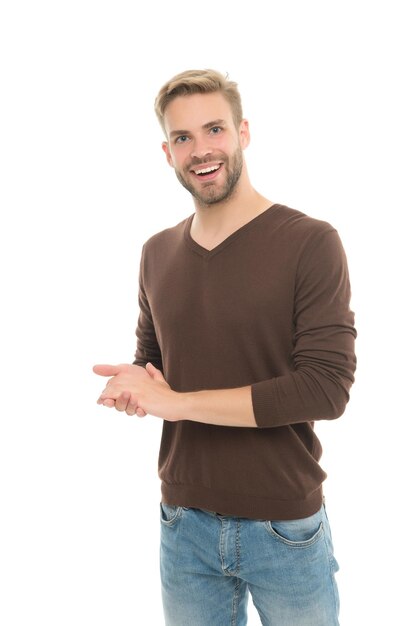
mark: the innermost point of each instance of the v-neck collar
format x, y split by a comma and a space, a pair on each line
204, 252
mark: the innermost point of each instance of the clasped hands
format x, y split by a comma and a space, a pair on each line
138, 390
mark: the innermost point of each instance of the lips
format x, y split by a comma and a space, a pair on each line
206, 171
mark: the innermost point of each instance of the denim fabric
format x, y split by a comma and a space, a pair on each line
210, 563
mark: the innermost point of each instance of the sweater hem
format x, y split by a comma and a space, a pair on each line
241, 505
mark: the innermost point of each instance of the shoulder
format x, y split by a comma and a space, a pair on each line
295, 231
166, 238
306, 241
299, 224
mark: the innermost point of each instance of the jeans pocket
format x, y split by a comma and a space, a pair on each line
169, 514
299, 533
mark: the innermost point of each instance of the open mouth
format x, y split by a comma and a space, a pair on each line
207, 172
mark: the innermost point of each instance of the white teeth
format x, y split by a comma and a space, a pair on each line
206, 170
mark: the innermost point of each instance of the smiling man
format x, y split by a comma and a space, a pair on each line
245, 338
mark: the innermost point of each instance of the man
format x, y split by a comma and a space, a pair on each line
244, 339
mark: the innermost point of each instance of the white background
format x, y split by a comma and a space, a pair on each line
328, 88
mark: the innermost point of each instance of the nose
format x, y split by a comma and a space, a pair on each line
201, 148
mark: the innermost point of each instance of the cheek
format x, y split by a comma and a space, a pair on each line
231, 146
178, 158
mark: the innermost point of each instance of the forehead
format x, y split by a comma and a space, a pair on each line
193, 111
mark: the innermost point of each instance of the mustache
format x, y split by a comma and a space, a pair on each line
212, 157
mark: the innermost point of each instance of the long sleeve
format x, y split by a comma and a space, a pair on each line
147, 347
323, 355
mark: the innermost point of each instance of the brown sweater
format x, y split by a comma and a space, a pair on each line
268, 307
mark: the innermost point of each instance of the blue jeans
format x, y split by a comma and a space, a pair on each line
210, 563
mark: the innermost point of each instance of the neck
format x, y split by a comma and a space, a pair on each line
217, 219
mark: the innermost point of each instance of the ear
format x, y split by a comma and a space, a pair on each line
166, 149
244, 134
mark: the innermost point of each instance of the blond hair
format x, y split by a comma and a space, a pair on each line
198, 81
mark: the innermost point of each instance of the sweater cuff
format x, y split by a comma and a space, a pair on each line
264, 401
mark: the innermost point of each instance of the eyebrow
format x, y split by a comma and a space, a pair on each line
218, 122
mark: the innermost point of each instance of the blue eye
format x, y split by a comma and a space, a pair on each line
216, 130
181, 139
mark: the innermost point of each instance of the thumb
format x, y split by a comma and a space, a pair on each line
154, 372
106, 370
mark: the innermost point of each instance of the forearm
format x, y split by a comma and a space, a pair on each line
220, 407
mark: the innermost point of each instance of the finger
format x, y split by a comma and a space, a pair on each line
132, 406
105, 401
102, 396
140, 412
122, 401
106, 370
154, 372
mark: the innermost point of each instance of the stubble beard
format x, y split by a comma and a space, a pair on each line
211, 193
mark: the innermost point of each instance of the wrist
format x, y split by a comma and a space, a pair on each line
184, 405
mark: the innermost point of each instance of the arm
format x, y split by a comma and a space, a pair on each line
323, 354
135, 389
147, 346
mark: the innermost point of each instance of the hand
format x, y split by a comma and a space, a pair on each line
139, 390
125, 402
